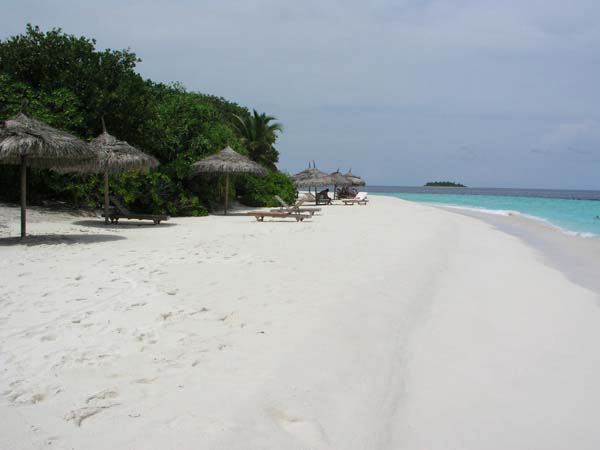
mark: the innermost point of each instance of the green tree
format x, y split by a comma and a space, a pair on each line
70, 84
104, 82
258, 133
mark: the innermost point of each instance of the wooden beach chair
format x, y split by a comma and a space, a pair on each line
360, 199
260, 216
121, 212
295, 207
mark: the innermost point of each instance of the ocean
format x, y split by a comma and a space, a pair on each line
574, 212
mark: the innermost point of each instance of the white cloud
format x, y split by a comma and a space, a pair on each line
566, 134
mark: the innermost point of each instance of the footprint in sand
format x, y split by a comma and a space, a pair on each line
97, 403
51, 440
307, 431
26, 398
136, 305
165, 316
102, 395
79, 415
202, 310
144, 380
20, 393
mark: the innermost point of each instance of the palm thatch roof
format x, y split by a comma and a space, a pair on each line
43, 145
356, 180
119, 156
340, 180
113, 156
228, 161
312, 177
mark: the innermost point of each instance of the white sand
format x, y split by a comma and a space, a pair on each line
390, 326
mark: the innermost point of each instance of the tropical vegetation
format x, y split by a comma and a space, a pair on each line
70, 84
258, 134
443, 184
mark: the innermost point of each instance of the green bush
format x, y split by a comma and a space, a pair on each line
156, 193
256, 191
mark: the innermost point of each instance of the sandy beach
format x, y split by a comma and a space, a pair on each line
389, 326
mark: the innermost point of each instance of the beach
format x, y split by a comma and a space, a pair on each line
394, 325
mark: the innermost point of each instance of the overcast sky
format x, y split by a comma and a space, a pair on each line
485, 92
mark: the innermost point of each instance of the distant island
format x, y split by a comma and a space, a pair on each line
443, 184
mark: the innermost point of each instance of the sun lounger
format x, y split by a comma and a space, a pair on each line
120, 212
296, 208
360, 199
260, 216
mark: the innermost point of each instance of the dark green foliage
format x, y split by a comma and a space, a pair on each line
104, 82
255, 191
156, 193
59, 108
443, 184
70, 84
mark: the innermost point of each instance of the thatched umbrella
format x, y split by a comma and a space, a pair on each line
356, 180
111, 157
312, 177
28, 142
339, 180
228, 162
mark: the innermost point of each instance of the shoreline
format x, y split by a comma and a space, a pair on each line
506, 213
574, 255
586, 222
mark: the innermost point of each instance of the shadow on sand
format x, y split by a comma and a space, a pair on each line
121, 225
56, 239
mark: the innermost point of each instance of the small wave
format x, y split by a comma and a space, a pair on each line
497, 212
582, 234
508, 213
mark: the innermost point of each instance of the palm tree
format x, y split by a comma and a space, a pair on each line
258, 133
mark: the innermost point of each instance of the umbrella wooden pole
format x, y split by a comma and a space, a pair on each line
23, 196
226, 191
105, 195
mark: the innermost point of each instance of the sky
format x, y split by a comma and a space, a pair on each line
490, 93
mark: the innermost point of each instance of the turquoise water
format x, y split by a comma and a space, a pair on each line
575, 216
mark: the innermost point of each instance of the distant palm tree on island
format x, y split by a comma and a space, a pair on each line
443, 184
258, 133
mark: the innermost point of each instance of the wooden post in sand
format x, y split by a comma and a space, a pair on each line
106, 197
226, 191
23, 196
